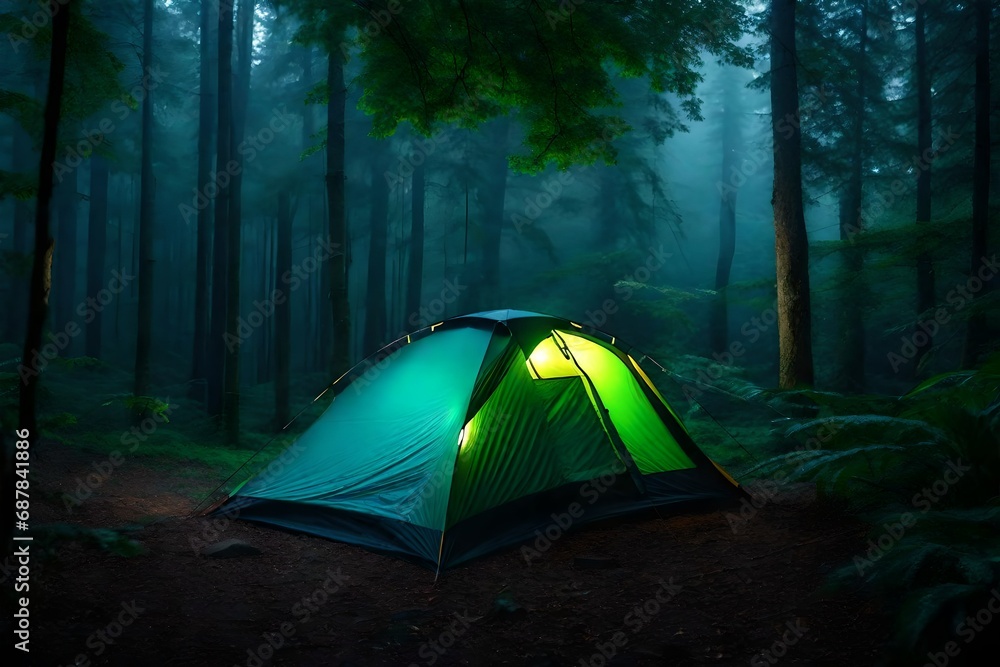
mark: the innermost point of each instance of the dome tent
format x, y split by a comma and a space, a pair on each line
471, 434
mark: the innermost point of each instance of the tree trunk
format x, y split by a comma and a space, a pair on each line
925, 270
241, 97
219, 342
283, 316
67, 199
23, 162
496, 194
791, 246
976, 332
339, 298
322, 342
147, 212
206, 126
415, 266
731, 141
97, 241
41, 268
851, 365
375, 303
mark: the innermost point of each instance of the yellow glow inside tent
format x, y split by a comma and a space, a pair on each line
547, 361
642, 431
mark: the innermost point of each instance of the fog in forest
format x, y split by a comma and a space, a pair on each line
793, 204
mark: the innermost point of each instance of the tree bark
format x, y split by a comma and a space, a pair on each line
97, 241
67, 200
795, 364
976, 333
283, 316
851, 365
147, 221
206, 126
731, 141
339, 297
415, 266
375, 301
231, 403
218, 339
925, 270
41, 269
23, 161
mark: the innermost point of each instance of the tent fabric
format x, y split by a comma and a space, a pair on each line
472, 435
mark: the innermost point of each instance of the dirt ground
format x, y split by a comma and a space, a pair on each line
677, 590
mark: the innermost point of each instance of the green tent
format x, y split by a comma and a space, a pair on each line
481, 432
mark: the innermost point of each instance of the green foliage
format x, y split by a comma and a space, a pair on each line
931, 455
552, 63
141, 406
78, 363
49, 537
58, 421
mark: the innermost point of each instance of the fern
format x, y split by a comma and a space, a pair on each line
141, 406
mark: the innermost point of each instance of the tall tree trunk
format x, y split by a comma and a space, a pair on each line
206, 125
322, 342
97, 242
976, 332
67, 199
241, 97
925, 270
219, 342
375, 302
851, 365
791, 245
731, 147
283, 315
23, 162
496, 194
41, 268
339, 297
415, 265
147, 221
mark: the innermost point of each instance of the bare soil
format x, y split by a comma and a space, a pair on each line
676, 590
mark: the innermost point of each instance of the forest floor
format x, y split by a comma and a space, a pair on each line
681, 590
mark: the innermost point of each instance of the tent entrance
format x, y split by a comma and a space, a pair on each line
648, 440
